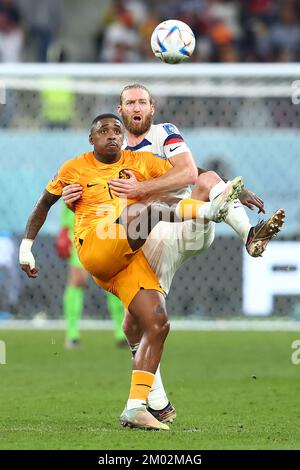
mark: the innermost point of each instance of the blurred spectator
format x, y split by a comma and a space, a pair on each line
225, 30
220, 34
11, 32
121, 41
43, 20
226, 12
146, 29
260, 8
279, 42
227, 53
138, 10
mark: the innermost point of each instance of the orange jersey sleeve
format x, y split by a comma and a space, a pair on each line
67, 174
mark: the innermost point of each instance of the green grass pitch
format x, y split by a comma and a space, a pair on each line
232, 390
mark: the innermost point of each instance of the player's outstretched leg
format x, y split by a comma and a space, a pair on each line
148, 306
217, 209
260, 235
220, 205
158, 403
207, 187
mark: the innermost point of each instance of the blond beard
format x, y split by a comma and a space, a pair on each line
143, 127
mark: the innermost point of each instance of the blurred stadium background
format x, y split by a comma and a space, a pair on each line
236, 104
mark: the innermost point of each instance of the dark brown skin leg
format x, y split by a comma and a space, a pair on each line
132, 328
140, 219
149, 309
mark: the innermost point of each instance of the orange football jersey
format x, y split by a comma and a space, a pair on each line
97, 202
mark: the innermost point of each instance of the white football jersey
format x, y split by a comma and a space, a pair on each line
165, 141
170, 244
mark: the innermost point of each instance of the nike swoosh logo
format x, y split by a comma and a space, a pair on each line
93, 184
172, 150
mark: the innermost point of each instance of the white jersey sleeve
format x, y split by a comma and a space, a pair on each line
163, 140
172, 141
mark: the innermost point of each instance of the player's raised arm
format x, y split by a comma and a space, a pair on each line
170, 145
34, 224
182, 173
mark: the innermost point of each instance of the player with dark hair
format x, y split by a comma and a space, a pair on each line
169, 245
109, 232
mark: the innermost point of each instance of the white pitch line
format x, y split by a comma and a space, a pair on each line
177, 325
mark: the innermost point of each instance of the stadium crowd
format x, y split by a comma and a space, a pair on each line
226, 30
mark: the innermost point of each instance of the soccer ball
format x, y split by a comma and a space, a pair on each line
173, 41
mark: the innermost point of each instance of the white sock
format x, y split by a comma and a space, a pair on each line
238, 220
134, 403
236, 217
157, 398
216, 190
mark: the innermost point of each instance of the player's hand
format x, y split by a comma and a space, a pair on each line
71, 193
63, 244
127, 188
250, 200
26, 258
30, 272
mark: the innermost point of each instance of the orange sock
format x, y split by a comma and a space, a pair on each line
189, 209
141, 384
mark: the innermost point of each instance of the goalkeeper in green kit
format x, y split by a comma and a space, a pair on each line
76, 283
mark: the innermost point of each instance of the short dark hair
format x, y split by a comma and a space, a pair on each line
134, 86
105, 116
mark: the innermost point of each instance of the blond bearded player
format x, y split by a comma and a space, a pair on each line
169, 245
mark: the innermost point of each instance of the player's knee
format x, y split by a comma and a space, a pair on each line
129, 325
159, 329
207, 180
166, 329
125, 327
163, 331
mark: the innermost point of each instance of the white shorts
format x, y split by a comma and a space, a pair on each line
169, 245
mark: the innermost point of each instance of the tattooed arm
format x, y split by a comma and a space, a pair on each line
34, 224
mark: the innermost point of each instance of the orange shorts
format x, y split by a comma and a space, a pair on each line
115, 267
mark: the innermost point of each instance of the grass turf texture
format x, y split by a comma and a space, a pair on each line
232, 390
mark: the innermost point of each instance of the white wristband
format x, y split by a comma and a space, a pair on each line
25, 255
